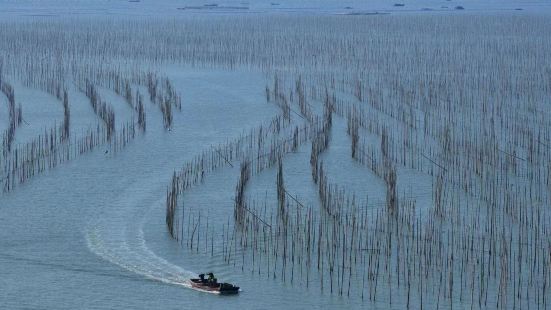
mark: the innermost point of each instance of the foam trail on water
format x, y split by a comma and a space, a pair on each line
117, 236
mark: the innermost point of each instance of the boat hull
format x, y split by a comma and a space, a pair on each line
218, 288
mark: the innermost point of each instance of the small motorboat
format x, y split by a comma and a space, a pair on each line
211, 285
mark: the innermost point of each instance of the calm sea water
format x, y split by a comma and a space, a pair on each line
91, 233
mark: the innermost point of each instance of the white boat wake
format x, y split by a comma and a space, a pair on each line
117, 236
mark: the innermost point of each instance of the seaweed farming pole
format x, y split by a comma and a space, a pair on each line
280, 186
288, 194
240, 202
432, 161
298, 114
225, 158
512, 155
256, 216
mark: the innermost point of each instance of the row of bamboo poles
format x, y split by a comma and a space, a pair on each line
14, 113
482, 245
55, 145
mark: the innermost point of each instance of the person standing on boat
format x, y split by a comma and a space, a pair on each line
211, 277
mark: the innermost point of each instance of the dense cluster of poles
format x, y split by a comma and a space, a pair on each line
56, 145
484, 245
